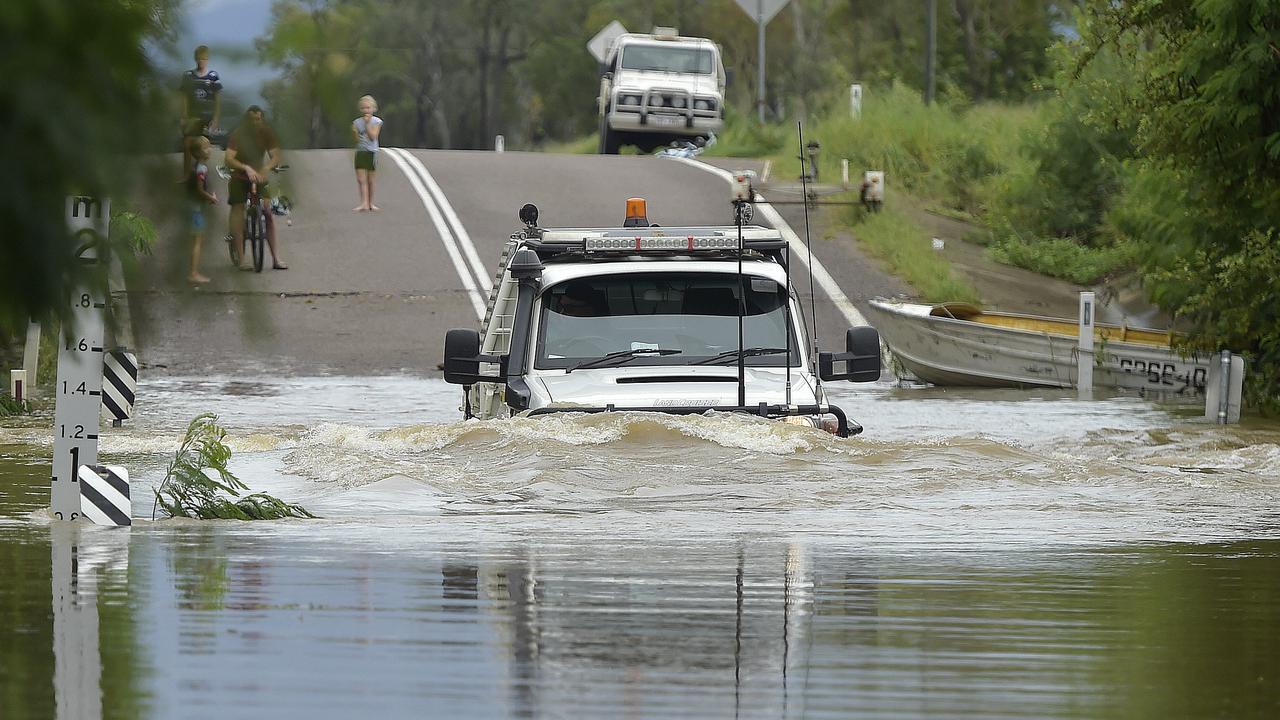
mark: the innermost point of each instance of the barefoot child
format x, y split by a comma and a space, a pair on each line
199, 197
366, 130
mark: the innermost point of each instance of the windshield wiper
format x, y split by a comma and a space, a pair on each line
621, 356
746, 352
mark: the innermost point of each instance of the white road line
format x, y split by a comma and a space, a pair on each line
798, 250
460, 232
446, 236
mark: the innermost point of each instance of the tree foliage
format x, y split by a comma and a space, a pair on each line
79, 94
453, 75
1200, 93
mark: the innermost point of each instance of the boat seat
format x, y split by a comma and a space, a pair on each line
956, 310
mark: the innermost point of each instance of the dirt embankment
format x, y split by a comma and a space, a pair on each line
1012, 289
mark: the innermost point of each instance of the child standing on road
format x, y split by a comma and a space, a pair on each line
199, 197
366, 130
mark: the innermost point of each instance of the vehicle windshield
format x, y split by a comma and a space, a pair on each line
694, 314
669, 58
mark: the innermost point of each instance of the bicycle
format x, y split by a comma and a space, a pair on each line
257, 221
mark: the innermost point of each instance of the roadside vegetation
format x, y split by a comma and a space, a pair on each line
906, 249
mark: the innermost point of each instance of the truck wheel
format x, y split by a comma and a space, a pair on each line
609, 139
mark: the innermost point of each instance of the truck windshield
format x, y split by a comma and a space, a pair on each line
696, 314
668, 58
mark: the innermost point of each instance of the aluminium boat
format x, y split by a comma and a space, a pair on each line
960, 344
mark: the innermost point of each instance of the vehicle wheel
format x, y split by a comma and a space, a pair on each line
610, 140
259, 240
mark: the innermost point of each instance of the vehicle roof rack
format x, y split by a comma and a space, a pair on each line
653, 240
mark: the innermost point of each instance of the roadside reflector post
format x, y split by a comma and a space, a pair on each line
1084, 354
31, 355
844, 173
1224, 385
855, 100
1224, 388
499, 143
18, 385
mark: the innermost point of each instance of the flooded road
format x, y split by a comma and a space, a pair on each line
973, 554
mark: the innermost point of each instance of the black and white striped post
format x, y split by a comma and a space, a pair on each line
104, 495
119, 385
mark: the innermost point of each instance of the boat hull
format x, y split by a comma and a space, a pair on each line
959, 352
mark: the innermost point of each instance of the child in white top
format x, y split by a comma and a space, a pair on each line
366, 130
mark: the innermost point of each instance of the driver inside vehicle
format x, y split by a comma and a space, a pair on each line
580, 299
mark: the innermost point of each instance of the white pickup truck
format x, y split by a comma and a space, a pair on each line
643, 318
658, 88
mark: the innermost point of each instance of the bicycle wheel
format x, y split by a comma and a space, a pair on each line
258, 236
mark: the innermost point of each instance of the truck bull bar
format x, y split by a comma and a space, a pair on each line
844, 428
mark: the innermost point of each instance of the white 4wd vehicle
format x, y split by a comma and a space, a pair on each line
660, 88
644, 318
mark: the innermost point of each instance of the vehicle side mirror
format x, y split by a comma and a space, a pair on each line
462, 358
860, 362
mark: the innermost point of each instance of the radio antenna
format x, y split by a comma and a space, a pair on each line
808, 244
739, 207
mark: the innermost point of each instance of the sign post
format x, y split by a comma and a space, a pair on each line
761, 11
1084, 356
78, 391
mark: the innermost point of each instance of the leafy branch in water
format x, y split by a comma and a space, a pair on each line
198, 475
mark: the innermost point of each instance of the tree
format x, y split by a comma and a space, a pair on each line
1201, 91
81, 96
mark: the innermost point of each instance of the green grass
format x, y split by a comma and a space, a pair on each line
585, 145
9, 406
907, 251
957, 160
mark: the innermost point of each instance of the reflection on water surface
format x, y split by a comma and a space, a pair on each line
975, 554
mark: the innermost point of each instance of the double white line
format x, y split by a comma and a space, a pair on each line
466, 261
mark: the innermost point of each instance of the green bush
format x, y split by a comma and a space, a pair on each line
907, 250
1063, 257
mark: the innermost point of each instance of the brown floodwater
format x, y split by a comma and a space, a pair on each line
973, 554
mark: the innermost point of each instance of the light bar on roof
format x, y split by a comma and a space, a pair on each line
688, 243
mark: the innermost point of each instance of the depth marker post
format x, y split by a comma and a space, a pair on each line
78, 391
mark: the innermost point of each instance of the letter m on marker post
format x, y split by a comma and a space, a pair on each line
87, 204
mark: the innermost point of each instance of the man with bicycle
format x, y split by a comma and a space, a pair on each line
253, 151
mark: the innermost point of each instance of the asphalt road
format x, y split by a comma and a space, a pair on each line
374, 293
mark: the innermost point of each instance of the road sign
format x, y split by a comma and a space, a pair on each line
599, 45
119, 385
78, 393
762, 11
104, 494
